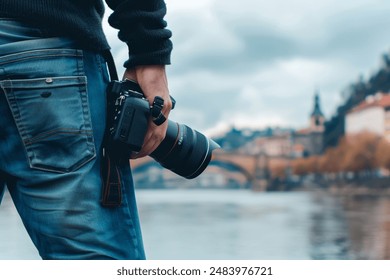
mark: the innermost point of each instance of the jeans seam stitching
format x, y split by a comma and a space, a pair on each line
57, 131
35, 57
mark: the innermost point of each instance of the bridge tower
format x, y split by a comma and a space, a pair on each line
317, 118
262, 173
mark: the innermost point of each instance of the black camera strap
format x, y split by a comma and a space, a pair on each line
111, 65
156, 111
111, 189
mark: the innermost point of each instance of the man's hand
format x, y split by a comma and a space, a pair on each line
153, 82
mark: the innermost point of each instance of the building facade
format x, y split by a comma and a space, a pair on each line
371, 115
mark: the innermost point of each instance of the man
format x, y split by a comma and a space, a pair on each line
53, 78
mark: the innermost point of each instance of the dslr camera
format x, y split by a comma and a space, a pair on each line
184, 150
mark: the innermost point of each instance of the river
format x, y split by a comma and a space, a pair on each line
240, 224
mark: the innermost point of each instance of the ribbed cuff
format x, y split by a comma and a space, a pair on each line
161, 56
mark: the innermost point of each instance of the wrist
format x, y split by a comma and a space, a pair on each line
151, 78
153, 81
130, 74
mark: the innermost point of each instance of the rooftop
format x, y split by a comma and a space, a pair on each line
377, 100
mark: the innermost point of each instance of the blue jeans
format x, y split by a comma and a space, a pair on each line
53, 112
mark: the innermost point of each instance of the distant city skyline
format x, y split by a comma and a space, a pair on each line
257, 63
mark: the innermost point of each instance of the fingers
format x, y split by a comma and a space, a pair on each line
153, 81
153, 138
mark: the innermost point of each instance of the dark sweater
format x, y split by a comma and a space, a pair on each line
140, 23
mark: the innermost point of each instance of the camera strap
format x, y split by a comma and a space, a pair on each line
111, 191
111, 177
111, 65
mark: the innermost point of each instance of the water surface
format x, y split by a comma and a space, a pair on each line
240, 224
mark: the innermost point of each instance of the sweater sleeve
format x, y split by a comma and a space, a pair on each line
142, 26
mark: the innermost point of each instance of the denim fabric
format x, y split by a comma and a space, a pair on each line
52, 108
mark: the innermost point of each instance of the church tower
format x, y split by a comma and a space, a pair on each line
317, 118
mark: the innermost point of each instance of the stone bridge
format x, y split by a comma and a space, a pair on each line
254, 169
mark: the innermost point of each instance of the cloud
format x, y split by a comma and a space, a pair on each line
258, 63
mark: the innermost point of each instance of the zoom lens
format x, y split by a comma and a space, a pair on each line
184, 150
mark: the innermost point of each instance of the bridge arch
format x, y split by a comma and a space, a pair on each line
232, 167
222, 164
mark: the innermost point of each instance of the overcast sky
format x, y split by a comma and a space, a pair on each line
257, 63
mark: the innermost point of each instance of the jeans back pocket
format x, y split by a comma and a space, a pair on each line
53, 119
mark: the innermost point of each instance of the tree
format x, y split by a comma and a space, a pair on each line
355, 153
360, 152
330, 161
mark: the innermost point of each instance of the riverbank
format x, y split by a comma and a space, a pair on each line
356, 187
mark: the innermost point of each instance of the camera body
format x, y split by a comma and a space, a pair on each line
184, 150
131, 112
